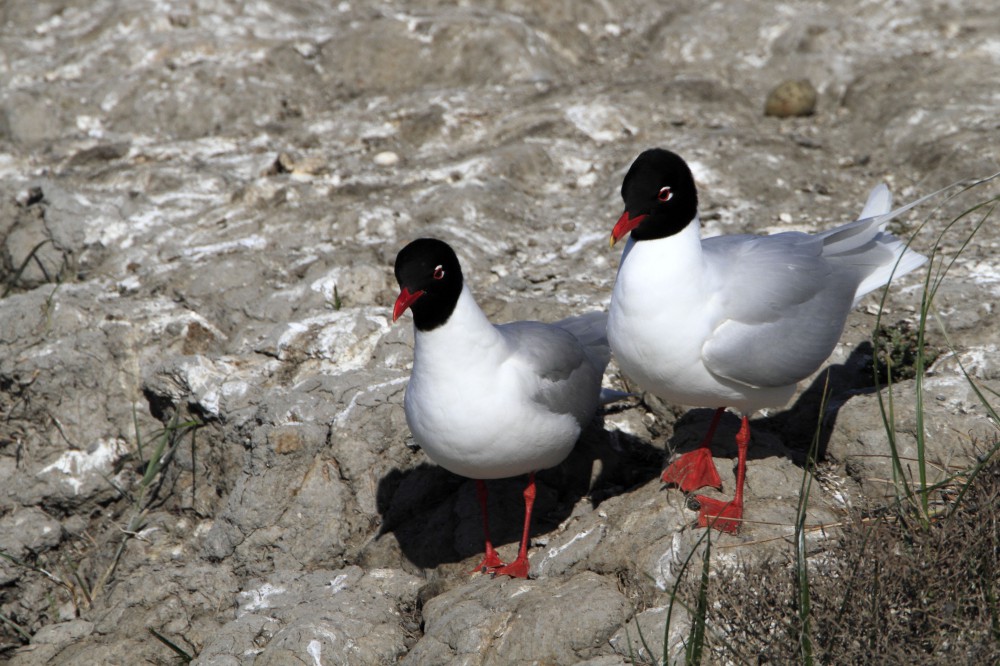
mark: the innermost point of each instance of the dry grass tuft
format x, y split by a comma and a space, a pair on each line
892, 592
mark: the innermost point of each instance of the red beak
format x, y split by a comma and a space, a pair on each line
624, 225
405, 300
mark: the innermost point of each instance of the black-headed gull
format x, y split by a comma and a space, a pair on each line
733, 321
489, 402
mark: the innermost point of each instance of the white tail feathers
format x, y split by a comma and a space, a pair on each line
878, 208
903, 261
879, 202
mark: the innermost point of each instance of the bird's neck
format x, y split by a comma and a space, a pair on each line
463, 339
673, 260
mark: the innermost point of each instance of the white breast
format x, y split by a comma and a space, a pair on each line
662, 312
468, 405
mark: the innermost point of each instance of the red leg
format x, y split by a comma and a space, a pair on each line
519, 567
720, 514
695, 469
492, 560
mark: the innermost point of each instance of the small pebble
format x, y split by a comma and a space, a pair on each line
791, 98
386, 158
305, 49
283, 163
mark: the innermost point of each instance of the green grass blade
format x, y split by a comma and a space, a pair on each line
921, 432
628, 641
887, 411
936, 272
82, 584
179, 651
666, 658
944, 267
31, 567
801, 554
16, 275
804, 600
696, 639
734, 654
167, 441
18, 629
985, 459
642, 640
138, 433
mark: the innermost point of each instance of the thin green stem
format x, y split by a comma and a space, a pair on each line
179, 651
936, 272
21, 631
801, 553
696, 642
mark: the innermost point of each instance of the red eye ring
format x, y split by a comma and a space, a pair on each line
665, 193
438, 272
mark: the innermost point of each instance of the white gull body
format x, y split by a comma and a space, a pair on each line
737, 321
490, 402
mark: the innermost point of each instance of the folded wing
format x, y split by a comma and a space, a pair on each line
568, 369
784, 298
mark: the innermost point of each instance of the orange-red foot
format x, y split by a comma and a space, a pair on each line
490, 563
723, 515
516, 569
693, 470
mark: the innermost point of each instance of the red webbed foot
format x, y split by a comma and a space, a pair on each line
693, 470
727, 515
491, 562
723, 515
516, 569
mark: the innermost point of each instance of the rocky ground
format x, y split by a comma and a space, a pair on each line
200, 203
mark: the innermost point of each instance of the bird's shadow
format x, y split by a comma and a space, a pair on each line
435, 515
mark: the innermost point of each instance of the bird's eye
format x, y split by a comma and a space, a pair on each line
438, 272
665, 194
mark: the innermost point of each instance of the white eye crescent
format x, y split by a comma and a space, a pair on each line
665, 194
438, 272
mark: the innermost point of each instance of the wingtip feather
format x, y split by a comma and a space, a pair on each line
879, 202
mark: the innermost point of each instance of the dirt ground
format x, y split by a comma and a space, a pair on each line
202, 440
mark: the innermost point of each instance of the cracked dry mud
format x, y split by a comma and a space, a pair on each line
201, 201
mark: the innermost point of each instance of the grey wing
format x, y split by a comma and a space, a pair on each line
783, 307
786, 297
591, 329
569, 381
